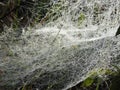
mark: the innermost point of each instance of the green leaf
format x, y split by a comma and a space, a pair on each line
88, 82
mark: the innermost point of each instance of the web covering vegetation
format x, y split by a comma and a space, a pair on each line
78, 38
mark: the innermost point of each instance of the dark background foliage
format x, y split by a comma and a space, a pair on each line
22, 13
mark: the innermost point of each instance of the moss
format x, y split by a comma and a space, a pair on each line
96, 77
10, 53
88, 82
96, 80
81, 18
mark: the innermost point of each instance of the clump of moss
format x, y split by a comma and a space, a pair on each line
81, 18
97, 80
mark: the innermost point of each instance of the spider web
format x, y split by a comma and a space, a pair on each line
62, 53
